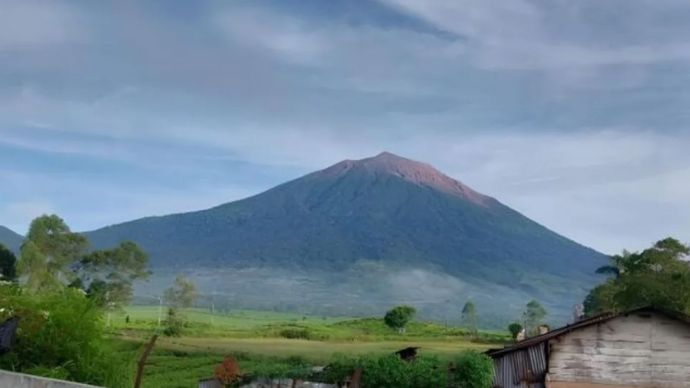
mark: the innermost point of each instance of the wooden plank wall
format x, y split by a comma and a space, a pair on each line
645, 349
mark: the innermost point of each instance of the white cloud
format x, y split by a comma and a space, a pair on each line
521, 35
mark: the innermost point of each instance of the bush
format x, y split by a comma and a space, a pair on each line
295, 333
390, 371
174, 324
293, 367
59, 335
228, 372
473, 370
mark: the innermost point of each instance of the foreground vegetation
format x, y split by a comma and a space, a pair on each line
75, 323
280, 344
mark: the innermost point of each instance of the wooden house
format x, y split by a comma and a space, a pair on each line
647, 347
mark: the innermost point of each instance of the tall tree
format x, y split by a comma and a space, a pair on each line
658, 276
8, 264
108, 274
49, 250
533, 316
178, 296
469, 317
181, 294
398, 317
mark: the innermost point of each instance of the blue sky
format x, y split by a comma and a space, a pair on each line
574, 113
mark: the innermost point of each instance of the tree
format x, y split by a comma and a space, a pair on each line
181, 294
8, 264
178, 296
47, 253
469, 317
533, 316
515, 328
616, 265
473, 370
398, 317
110, 274
658, 276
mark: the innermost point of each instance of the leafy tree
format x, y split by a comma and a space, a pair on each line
657, 276
533, 316
178, 296
469, 317
398, 317
48, 252
181, 294
8, 264
616, 265
514, 328
473, 370
110, 273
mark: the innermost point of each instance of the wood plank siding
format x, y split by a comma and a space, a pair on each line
646, 349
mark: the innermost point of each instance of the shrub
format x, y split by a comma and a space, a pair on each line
295, 333
294, 367
473, 370
59, 335
390, 371
228, 372
174, 324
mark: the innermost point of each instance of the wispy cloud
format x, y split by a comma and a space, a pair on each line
528, 35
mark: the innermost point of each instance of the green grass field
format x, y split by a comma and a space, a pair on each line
277, 341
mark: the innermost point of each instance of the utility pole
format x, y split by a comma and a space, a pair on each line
160, 310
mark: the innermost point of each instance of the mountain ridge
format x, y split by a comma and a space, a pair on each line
380, 208
10, 238
359, 236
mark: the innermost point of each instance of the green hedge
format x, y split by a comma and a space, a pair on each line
470, 370
60, 335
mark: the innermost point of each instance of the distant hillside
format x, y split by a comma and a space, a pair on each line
10, 239
382, 212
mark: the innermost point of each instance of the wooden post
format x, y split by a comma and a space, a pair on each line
449, 374
142, 360
356, 378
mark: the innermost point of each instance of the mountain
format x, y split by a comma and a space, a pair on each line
387, 215
10, 239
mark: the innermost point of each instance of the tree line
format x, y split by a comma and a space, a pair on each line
61, 289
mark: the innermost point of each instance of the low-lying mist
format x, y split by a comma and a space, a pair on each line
367, 289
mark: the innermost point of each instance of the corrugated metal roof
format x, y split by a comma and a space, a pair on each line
524, 368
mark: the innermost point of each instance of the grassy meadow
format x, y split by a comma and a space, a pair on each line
271, 343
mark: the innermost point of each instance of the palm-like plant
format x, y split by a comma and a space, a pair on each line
616, 265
